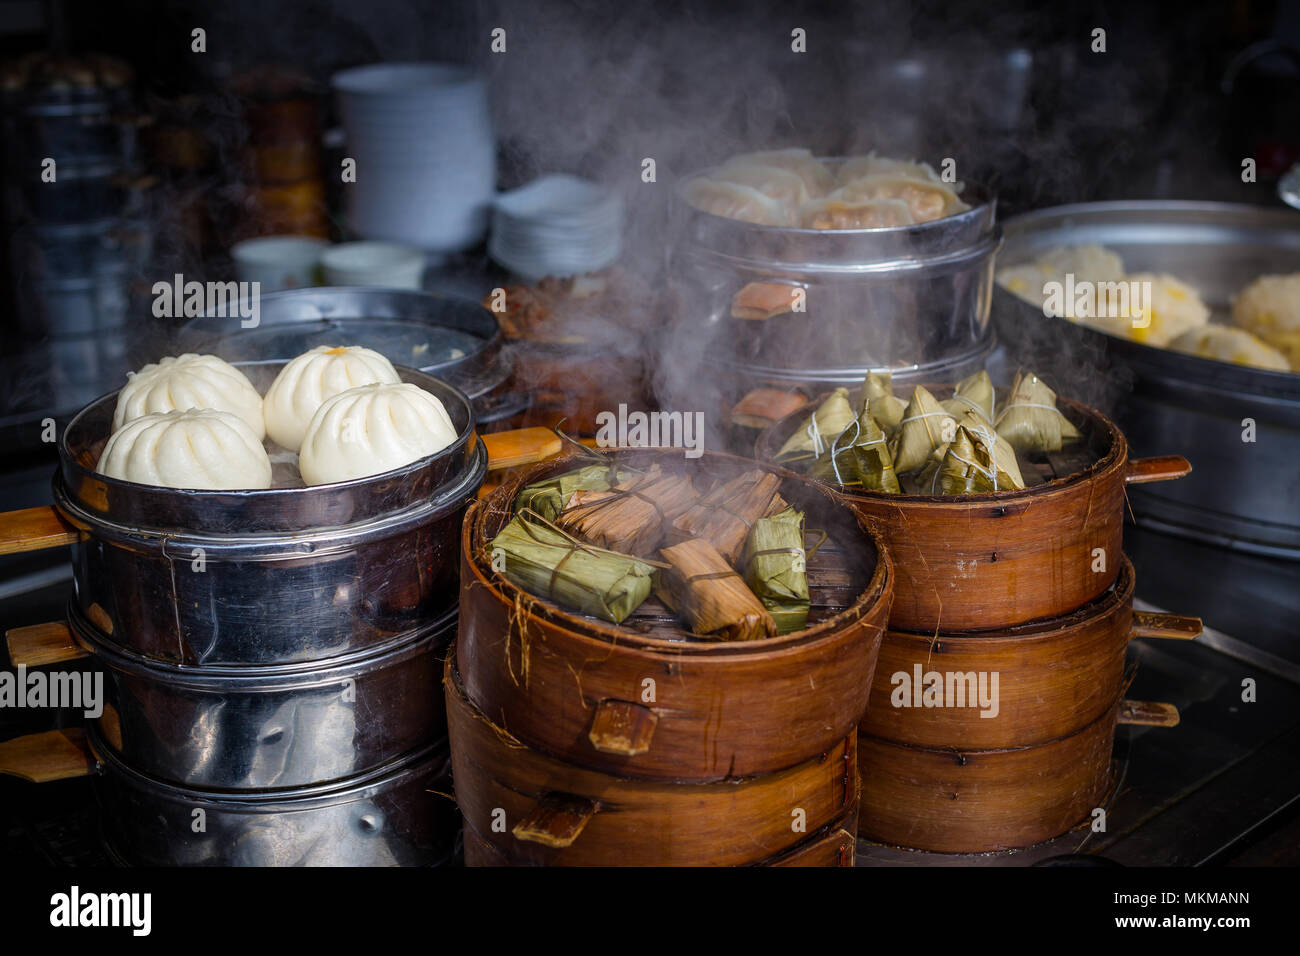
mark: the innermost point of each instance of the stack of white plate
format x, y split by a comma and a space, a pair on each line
421, 136
558, 225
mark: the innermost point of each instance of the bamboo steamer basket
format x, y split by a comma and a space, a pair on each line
559, 814
978, 801
1053, 676
996, 560
574, 687
835, 846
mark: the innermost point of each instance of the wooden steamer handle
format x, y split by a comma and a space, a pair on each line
522, 446
41, 644
1178, 627
35, 529
1146, 713
53, 755
557, 820
1139, 471
622, 727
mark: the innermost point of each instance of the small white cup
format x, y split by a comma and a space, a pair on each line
390, 265
279, 262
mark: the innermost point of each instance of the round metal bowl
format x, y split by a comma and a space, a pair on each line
454, 339
269, 576
1241, 495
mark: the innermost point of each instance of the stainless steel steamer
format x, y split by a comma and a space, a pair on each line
911, 299
273, 576
1241, 495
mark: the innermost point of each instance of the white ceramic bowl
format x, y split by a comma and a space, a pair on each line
389, 265
279, 262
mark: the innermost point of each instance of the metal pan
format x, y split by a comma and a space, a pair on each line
1241, 495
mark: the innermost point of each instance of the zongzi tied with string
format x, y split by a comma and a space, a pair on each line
544, 561
925, 426
966, 469
859, 458
634, 518
879, 401
815, 435
776, 568
710, 597
724, 516
1000, 450
549, 496
1030, 420
972, 394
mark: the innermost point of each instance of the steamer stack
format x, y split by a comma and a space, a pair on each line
576, 742
1029, 588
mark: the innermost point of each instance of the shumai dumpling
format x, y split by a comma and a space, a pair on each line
176, 383
200, 448
816, 177
855, 214
307, 381
772, 181
857, 167
372, 429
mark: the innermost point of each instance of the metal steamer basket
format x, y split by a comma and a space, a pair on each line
265, 577
913, 300
1241, 495
454, 339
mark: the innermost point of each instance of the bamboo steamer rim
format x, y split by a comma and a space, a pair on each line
1044, 629
1111, 714
1115, 459
600, 633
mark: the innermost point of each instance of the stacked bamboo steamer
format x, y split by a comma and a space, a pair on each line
1002, 675
576, 742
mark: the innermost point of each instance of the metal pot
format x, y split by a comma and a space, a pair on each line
913, 299
259, 577
454, 339
279, 726
1241, 496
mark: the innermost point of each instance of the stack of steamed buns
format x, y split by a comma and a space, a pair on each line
197, 422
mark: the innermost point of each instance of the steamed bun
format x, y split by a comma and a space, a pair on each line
189, 381
198, 448
306, 382
372, 429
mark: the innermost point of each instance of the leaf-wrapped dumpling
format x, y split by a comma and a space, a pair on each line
1030, 420
925, 426
814, 437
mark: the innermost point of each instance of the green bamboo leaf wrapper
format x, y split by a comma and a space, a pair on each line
589, 580
966, 469
548, 498
880, 402
858, 458
973, 394
1030, 420
815, 435
926, 425
776, 571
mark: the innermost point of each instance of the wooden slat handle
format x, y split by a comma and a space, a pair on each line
523, 446
40, 644
622, 727
1147, 713
763, 406
1178, 627
1165, 468
53, 755
557, 820
35, 529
